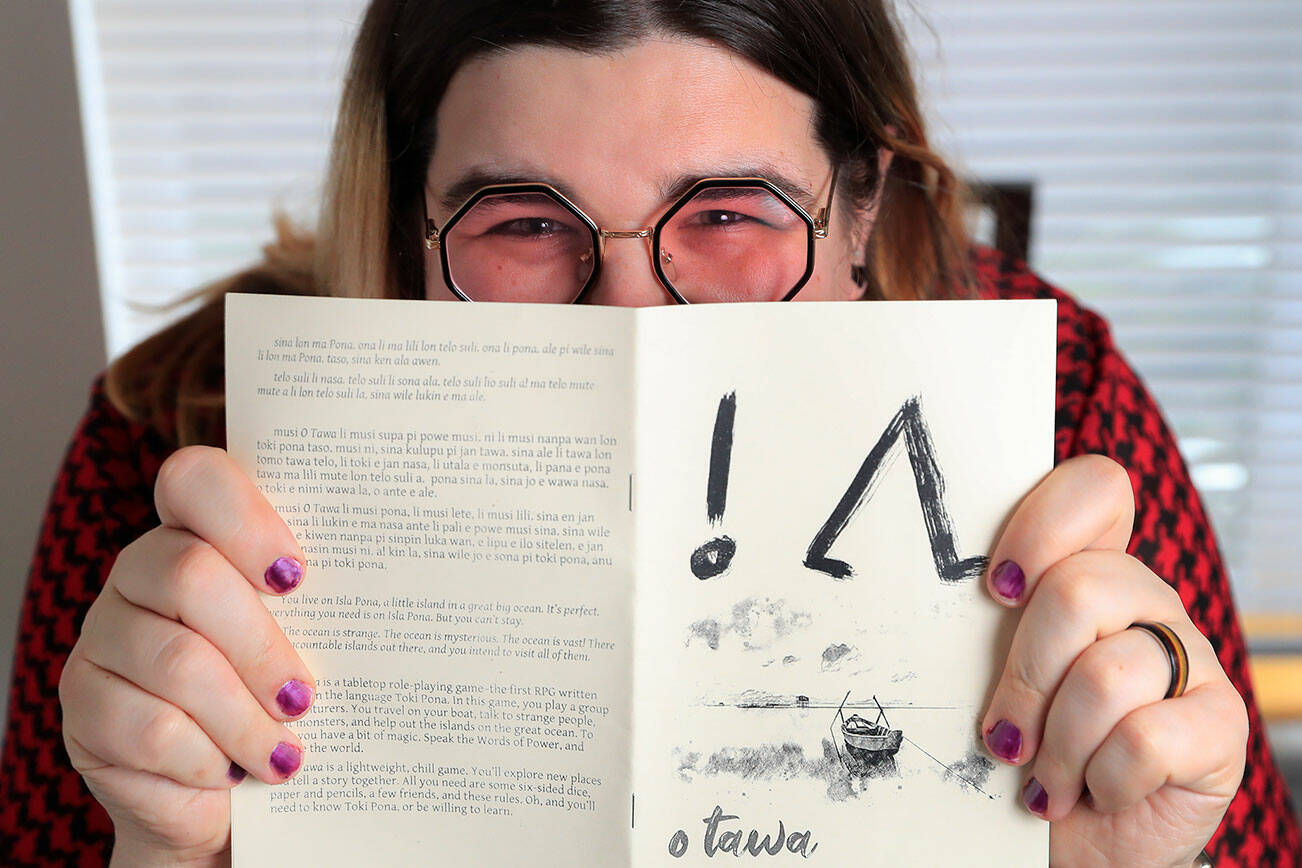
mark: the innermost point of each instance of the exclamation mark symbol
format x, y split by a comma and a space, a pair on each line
714, 557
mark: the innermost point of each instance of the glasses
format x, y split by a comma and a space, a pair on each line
725, 239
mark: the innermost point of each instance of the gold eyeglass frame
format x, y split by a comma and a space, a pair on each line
816, 228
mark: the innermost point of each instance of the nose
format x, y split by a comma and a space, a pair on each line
627, 278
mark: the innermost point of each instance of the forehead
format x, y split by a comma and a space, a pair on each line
615, 126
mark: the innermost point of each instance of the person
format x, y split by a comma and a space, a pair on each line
178, 683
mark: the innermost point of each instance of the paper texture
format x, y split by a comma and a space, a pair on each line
600, 586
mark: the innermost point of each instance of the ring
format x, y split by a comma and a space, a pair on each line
1176, 655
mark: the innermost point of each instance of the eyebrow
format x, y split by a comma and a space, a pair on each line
671, 189
675, 188
468, 183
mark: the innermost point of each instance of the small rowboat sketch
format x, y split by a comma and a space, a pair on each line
866, 741
865, 747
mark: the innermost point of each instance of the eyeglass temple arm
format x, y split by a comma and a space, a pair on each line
821, 220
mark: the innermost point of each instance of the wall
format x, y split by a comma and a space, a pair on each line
49, 296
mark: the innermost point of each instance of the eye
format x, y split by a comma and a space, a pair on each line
722, 219
529, 227
727, 209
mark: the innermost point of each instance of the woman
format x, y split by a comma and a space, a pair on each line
618, 104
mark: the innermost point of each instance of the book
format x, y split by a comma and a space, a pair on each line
596, 586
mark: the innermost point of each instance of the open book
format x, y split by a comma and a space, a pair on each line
609, 587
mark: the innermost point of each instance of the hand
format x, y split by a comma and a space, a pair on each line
181, 679
1124, 776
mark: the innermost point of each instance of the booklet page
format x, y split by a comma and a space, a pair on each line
459, 478
819, 486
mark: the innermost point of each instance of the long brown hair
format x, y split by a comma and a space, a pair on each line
849, 57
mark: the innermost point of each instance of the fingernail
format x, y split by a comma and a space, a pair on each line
284, 575
236, 774
1034, 797
1004, 741
294, 697
1008, 580
285, 759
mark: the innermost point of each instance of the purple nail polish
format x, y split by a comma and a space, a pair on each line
284, 575
236, 774
1034, 797
294, 697
1004, 741
285, 759
1008, 580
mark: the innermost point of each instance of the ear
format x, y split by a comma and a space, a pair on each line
865, 217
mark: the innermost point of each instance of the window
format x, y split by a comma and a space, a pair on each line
201, 117
1164, 141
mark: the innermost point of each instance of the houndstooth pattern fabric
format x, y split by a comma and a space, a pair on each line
1104, 408
103, 499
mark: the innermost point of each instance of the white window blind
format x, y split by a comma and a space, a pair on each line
1163, 138
201, 116
1164, 142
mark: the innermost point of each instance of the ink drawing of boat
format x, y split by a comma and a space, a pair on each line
870, 738
867, 743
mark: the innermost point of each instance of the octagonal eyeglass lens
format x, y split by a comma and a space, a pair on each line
734, 244
526, 247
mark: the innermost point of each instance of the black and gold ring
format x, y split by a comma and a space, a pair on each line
1176, 655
